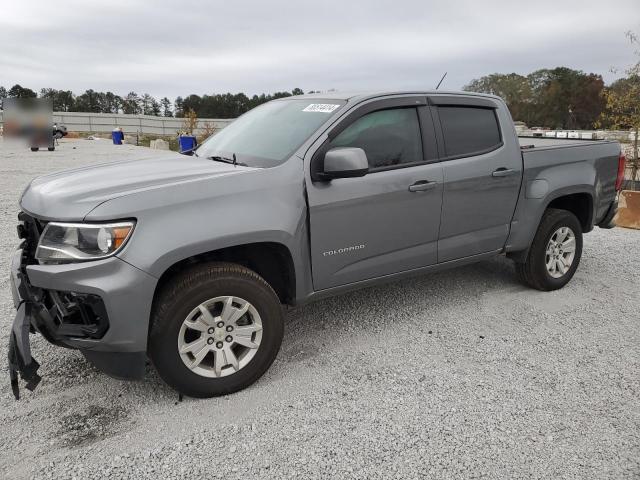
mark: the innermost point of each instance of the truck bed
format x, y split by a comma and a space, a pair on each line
560, 165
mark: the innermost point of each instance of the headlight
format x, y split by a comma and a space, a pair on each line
74, 242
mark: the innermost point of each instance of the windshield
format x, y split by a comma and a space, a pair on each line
267, 135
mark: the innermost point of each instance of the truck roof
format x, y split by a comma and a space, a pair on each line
365, 95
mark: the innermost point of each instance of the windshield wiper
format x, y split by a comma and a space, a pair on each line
232, 161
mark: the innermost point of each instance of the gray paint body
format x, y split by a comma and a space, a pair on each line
342, 234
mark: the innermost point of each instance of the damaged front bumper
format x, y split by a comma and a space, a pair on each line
20, 359
99, 307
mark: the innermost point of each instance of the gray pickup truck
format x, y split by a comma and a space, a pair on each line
188, 260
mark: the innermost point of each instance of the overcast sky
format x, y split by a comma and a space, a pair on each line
180, 47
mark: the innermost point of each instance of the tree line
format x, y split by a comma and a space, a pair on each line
556, 98
227, 105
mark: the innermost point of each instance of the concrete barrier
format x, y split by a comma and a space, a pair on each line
149, 124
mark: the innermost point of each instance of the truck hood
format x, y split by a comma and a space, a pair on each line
72, 194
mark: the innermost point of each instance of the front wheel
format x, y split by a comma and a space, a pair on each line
215, 330
555, 252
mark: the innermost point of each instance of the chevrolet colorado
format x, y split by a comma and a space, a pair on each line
188, 261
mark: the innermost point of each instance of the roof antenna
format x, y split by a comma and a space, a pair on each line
445, 74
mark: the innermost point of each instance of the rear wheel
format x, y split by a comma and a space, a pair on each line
35, 149
555, 252
215, 330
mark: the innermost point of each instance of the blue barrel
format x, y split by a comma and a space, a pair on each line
117, 136
187, 142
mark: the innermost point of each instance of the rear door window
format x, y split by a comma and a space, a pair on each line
388, 137
469, 130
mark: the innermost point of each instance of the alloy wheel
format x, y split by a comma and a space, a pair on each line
220, 336
561, 251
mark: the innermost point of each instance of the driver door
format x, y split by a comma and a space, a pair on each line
387, 221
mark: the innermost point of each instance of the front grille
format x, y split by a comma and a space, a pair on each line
29, 230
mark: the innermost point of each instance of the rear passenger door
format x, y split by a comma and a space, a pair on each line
482, 175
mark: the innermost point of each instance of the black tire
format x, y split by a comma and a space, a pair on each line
51, 149
188, 290
35, 149
533, 271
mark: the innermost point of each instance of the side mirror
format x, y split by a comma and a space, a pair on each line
345, 163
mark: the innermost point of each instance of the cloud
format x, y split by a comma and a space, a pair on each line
177, 48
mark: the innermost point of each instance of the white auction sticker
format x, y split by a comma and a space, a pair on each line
321, 107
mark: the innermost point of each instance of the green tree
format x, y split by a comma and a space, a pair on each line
131, 104
178, 104
155, 107
280, 95
18, 91
221, 105
514, 89
623, 104
48, 93
89, 101
111, 103
62, 100
165, 105
557, 98
192, 102
149, 105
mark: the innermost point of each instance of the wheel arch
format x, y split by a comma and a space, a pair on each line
578, 201
273, 261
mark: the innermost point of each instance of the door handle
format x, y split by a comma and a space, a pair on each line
503, 172
422, 185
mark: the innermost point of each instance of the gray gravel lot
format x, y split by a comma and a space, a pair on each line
461, 374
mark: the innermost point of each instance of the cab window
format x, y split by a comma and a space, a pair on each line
388, 137
469, 130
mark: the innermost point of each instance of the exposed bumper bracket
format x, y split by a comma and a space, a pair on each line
20, 360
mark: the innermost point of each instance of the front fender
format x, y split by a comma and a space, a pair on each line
180, 221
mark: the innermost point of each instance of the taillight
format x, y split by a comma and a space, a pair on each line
622, 161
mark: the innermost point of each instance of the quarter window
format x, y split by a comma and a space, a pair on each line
469, 130
388, 137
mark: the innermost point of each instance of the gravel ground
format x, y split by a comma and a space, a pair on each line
461, 374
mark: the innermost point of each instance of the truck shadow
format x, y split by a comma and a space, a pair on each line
310, 328
307, 326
